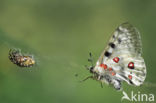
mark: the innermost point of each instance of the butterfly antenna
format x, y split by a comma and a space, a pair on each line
90, 59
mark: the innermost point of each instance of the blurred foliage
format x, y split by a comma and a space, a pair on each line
60, 34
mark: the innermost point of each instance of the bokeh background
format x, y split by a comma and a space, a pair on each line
60, 34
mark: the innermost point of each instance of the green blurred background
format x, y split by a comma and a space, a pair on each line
60, 34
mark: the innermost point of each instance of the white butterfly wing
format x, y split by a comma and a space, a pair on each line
123, 55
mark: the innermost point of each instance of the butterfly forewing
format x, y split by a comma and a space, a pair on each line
123, 58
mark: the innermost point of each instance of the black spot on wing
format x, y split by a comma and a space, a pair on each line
119, 40
107, 54
112, 45
114, 36
118, 30
131, 82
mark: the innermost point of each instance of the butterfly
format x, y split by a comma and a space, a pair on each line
121, 60
19, 59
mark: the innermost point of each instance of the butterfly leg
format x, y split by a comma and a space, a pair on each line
101, 85
87, 78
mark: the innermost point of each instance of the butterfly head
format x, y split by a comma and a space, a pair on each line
91, 69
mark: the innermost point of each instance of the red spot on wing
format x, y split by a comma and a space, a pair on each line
130, 77
116, 59
113, 73
103, 66
131, 65
110, 69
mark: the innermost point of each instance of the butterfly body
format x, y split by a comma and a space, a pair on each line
121, 60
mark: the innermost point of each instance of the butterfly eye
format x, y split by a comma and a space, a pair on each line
91, 69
